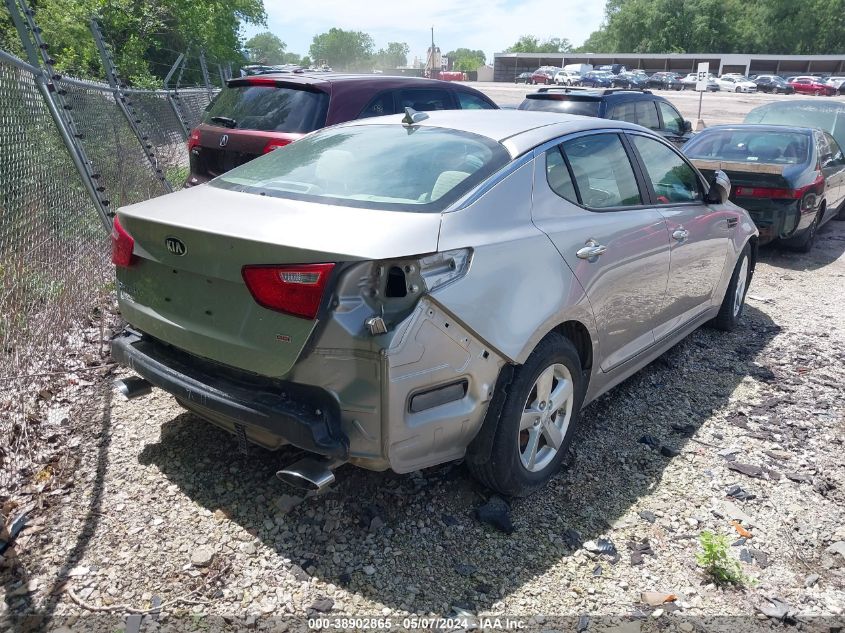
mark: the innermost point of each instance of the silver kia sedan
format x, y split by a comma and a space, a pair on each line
403, 291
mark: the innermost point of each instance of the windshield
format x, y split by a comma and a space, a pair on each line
558, 103
389, 167
785, 148
268, 108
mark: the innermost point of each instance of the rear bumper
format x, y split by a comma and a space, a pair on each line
306, 416
775, 219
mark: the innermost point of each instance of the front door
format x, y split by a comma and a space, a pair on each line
699, 235
588, 201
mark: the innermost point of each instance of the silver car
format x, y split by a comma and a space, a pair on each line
399, 292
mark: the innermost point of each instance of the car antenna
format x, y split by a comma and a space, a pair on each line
412, 116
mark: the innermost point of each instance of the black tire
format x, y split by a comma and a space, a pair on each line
729, 315
503, 471
738, 89
804, 243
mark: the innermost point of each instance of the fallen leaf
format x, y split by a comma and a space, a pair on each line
741, 530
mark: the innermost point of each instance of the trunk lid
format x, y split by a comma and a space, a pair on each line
198, 301
221, 149
749, 175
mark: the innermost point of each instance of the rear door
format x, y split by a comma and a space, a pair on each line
699, 236
587, 199
833, 166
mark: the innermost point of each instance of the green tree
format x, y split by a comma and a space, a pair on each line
532, 44
266, 48
394, 56
343, 50
466, 60
144, 35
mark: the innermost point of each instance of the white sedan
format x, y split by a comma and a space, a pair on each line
736, 84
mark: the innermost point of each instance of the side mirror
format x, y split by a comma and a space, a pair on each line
720, 188
687, 126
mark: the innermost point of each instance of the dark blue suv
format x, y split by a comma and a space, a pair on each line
633, 106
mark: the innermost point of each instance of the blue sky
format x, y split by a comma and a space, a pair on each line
489, 25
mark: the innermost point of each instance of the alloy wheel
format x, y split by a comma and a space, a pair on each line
545, 418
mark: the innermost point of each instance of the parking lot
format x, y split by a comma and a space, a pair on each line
717, 107
152, 509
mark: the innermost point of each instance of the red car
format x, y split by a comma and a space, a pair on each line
812, 86
544, 75
257, 114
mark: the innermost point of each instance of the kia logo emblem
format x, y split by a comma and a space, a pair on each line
223, 140
176, 246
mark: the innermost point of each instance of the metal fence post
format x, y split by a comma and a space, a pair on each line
173, 97
126, 105
205, 76
23, 18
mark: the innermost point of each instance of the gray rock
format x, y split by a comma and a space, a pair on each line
202, 556
811, 580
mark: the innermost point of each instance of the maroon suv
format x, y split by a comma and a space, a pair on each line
257, 114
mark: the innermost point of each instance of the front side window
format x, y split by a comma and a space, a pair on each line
672, 121
469, 101
388, 167
602, 171
424, 100
672, 179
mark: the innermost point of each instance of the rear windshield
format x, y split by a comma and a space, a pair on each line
785, 148
268, 108
389, 167
557, 104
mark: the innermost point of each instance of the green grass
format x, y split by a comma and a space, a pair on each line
717, 562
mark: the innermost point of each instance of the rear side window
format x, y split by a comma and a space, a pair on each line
558, 176
381, 105
672, 179
565, 106
469, 101
425, 99
647, 115
672, 121
269, 109
624, 112
603, 172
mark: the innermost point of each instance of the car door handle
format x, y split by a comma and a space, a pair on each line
680, 234
732, 222
591, 250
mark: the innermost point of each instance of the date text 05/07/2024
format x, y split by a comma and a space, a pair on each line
417, 623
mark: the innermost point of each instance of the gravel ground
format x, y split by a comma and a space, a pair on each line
146, 504
717, 107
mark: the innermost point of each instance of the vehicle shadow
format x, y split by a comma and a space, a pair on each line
412, 541
829, 246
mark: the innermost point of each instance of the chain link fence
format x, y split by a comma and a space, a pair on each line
55, 273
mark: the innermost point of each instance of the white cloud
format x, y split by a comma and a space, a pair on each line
489, 25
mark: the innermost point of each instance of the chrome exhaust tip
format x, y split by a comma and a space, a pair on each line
133, 387
309, 473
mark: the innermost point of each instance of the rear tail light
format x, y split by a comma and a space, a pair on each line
260, 81
275, 144
778, 193
193, 140
292, 289
122, 245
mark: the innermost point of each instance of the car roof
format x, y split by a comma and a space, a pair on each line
597, 94
328, 78
756, 127
518, 130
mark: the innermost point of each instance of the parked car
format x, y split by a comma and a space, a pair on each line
665, 81
773, 84
643, 108
791, 180
736, 84
579, 69
598, 79
824, 115
837, 83
613, 68
255, 115
812, 86
691, 81
544, 75
630, 81
356, 310
523, 78
567, 77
